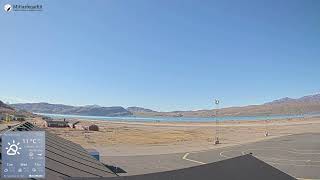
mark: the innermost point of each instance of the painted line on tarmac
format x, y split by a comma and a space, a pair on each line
191, 160
222, 154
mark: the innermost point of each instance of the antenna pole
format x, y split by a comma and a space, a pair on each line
267, 132
216, 101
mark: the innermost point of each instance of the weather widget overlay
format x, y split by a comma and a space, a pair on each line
23, 154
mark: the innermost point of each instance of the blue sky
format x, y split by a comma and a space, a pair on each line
165, 55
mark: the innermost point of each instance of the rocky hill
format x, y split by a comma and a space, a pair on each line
7, 109
4, 108
93, 110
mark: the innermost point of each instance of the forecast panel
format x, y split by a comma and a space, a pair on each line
23, 154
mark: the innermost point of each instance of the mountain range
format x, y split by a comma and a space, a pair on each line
91, 110
284, 106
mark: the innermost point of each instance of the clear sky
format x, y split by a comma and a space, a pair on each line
160, 54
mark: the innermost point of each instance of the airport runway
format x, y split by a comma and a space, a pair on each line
296, 155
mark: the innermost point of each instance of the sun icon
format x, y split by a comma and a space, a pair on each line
13, 148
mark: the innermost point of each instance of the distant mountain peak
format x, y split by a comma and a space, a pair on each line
280, 101
315, 98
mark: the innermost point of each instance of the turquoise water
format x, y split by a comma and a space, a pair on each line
173, 119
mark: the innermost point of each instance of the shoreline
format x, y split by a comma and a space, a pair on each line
226, 123
185, 119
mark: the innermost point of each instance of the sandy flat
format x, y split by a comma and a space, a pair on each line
143, 138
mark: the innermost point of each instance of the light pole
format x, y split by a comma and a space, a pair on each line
216, 101
267, 132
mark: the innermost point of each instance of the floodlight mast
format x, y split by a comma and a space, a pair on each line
267, 132
217, 102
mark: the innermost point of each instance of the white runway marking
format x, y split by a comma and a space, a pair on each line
222, 154
191, 160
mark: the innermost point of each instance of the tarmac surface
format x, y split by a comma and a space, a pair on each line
297, 155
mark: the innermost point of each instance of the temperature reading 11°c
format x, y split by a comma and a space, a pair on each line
33, 141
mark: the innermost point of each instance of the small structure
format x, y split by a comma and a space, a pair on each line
217, 141
73, 124
7, 117
56, 124
19, 118
2, 117
79, 127
93, 127
94, 153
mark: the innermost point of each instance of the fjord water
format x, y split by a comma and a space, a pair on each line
173, 119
